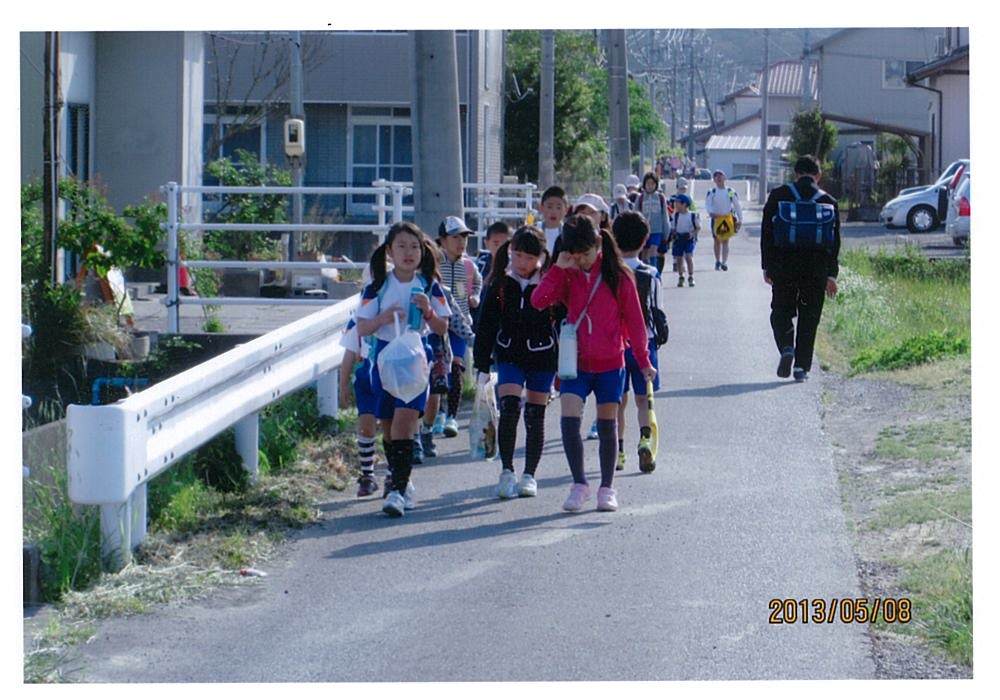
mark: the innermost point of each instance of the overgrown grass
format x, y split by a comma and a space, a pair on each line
922, 507
897, 310
941, 585
926, 442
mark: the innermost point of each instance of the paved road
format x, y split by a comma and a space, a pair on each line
743, 508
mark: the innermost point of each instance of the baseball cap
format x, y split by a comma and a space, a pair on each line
682, 182
594, 201
718, 172
684, 199
632, 181
620, 191
451, 226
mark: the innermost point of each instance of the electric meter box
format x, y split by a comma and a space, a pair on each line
295, 138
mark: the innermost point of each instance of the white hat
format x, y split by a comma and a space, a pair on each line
682, 182
632, 180
452, 225
594, 201
620, 191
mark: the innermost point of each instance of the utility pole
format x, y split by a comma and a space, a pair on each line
806, 82
547, 112
673, 100
762, 188
297, 112
50, 157
437, 143
618, 106
690, 140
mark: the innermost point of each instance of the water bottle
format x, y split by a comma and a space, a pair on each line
415, 319
567, 351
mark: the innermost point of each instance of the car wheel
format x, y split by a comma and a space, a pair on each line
921, 219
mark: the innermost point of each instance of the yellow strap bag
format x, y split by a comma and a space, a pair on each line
724, 227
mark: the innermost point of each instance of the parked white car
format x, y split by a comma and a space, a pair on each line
923, 209
960, 212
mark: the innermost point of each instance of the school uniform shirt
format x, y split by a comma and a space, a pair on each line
718, 203
551, 234
608, 321
620, 207
484, 261
453, 275
513, 329
397, 293
653, 206
685, 224
637, 264
350, 340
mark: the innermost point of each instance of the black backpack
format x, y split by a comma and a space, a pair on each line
652, 314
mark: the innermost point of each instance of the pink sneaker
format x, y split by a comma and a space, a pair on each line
606, 499
578, 495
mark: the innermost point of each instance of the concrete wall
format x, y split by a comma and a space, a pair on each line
851, 75
148, 95
955, 105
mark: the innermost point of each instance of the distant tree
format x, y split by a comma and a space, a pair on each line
811, 134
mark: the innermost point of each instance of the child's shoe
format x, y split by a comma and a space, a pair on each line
606, 499
680, 281
592, 434
450, 427
410, 496
690, 281
367, 485
394, 505
439, 424
620, 464
427, 442
646, 462
578, 495
507, 488
527, 486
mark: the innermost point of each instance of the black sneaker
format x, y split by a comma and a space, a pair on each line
785, 364
725, 268
690, 281
800, 374
367, 485
718, 265
418, 452
427, 442
680, 281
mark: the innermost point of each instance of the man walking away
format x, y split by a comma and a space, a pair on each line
799, 245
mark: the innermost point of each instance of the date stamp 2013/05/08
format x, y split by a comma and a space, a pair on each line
788, 611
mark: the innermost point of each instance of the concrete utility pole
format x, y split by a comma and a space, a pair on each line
437, 142
621, 155
674, 112
806, 83
690, 140
50, 157
547, 112
298, 112
762, 188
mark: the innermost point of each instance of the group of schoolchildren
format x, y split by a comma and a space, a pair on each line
592, 266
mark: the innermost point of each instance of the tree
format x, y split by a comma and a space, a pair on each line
812, 135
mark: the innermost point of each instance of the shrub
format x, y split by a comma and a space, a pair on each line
912, 351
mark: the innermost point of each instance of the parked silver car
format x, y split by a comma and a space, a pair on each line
960, 212
923, 209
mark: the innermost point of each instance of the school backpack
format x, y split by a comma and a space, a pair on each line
804, 224
652, 314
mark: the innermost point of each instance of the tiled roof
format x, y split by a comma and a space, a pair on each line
784, 80
746, 143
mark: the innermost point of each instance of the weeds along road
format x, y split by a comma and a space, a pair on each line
742, 508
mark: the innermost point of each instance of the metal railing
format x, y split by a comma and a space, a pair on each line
115, 450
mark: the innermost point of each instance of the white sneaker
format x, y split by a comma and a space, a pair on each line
507, 488
394, 505
410, 496
527, 486
592, 433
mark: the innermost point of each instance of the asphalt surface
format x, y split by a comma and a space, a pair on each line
742, 508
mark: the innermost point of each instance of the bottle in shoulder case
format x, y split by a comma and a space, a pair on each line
567, 351
415, 319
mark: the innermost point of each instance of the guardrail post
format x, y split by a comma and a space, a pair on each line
116, 534
173, 262
380, 201
247, 444
137, 508
327, 390
397, 203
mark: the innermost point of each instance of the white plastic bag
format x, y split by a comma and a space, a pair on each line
483, 424
402, 365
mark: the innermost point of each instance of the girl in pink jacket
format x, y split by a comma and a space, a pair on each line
598, 289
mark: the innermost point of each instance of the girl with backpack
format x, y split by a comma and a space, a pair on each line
652, 204
599, 290
523, 340
412, 294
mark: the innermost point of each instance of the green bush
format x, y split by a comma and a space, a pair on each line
915, 350
284, 424
909, 262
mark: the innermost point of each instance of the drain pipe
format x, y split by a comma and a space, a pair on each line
940, 121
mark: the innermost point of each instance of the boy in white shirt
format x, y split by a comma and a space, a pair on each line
554, 207
725, 213
685, 232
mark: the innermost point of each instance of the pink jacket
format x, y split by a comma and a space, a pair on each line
608, 321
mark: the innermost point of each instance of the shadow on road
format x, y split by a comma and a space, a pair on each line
722, 390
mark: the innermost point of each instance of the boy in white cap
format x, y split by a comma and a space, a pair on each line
594, 208
726, 215
621, 202
632, 183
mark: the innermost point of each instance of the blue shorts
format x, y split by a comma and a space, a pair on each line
607, 386
683, 245
386, 403
364, 397
458, 347
654, 240
633, 375
535, 380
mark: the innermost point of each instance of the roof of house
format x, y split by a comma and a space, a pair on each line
939, 64
836, 35
706, 132
746, 143
784, 79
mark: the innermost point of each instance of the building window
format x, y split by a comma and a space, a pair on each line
894, 72
774, 129
379, 147
78, 141
235, 134
744, 169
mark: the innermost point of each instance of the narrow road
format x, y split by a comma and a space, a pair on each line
743, 508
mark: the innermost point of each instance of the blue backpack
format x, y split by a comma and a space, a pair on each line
804, 224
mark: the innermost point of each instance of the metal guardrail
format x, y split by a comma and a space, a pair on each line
114, 450
26, 401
